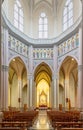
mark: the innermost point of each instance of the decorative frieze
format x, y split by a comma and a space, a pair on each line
43, 53
17, 46
68, 45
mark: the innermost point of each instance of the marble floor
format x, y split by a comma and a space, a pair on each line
42, 122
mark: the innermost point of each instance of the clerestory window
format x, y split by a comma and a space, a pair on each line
18, 15
68, 14
43, 26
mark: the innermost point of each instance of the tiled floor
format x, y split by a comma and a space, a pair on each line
42, 123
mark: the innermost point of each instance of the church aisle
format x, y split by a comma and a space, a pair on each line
42, 122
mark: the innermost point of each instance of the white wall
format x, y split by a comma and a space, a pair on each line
14, 92
72, 90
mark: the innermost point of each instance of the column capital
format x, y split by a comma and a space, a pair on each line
30, 76
5, 68
80, 67
55, 76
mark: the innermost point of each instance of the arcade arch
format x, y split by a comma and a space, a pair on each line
17, 94
43, 78
68, 81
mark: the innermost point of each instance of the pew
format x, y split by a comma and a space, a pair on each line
13, 124
60, 116
61, 125
72, 128
11, 128
28, 117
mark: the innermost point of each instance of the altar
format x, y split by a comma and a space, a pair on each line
43, 107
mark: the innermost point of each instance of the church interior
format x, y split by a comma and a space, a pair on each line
41, 64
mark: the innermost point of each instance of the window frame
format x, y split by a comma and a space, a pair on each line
43, 26
20, 15
68, 15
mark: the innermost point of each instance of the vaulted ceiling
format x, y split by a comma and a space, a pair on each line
17, 67
50, 2
43, 72
69, 66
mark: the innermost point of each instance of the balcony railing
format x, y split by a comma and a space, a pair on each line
68, 45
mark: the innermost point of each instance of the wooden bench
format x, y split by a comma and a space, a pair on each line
29, 117
71, 128
13, 124
12, 128
67, 124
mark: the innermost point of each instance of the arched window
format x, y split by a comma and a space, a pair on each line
68, 14
43, 26
18, 15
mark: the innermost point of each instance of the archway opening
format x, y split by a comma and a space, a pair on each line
17, 83
43, 93
43, 77
68, 79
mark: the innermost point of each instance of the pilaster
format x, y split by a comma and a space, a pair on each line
55, 85
4, 70
0, 51
30, 90
80, 66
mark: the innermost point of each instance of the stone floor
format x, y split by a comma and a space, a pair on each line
42, 122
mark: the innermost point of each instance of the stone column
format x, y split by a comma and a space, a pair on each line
30, 76
28, 100
55, 55
34, 94
0, 51
57, 90
80, 68
30, 89
4, 71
